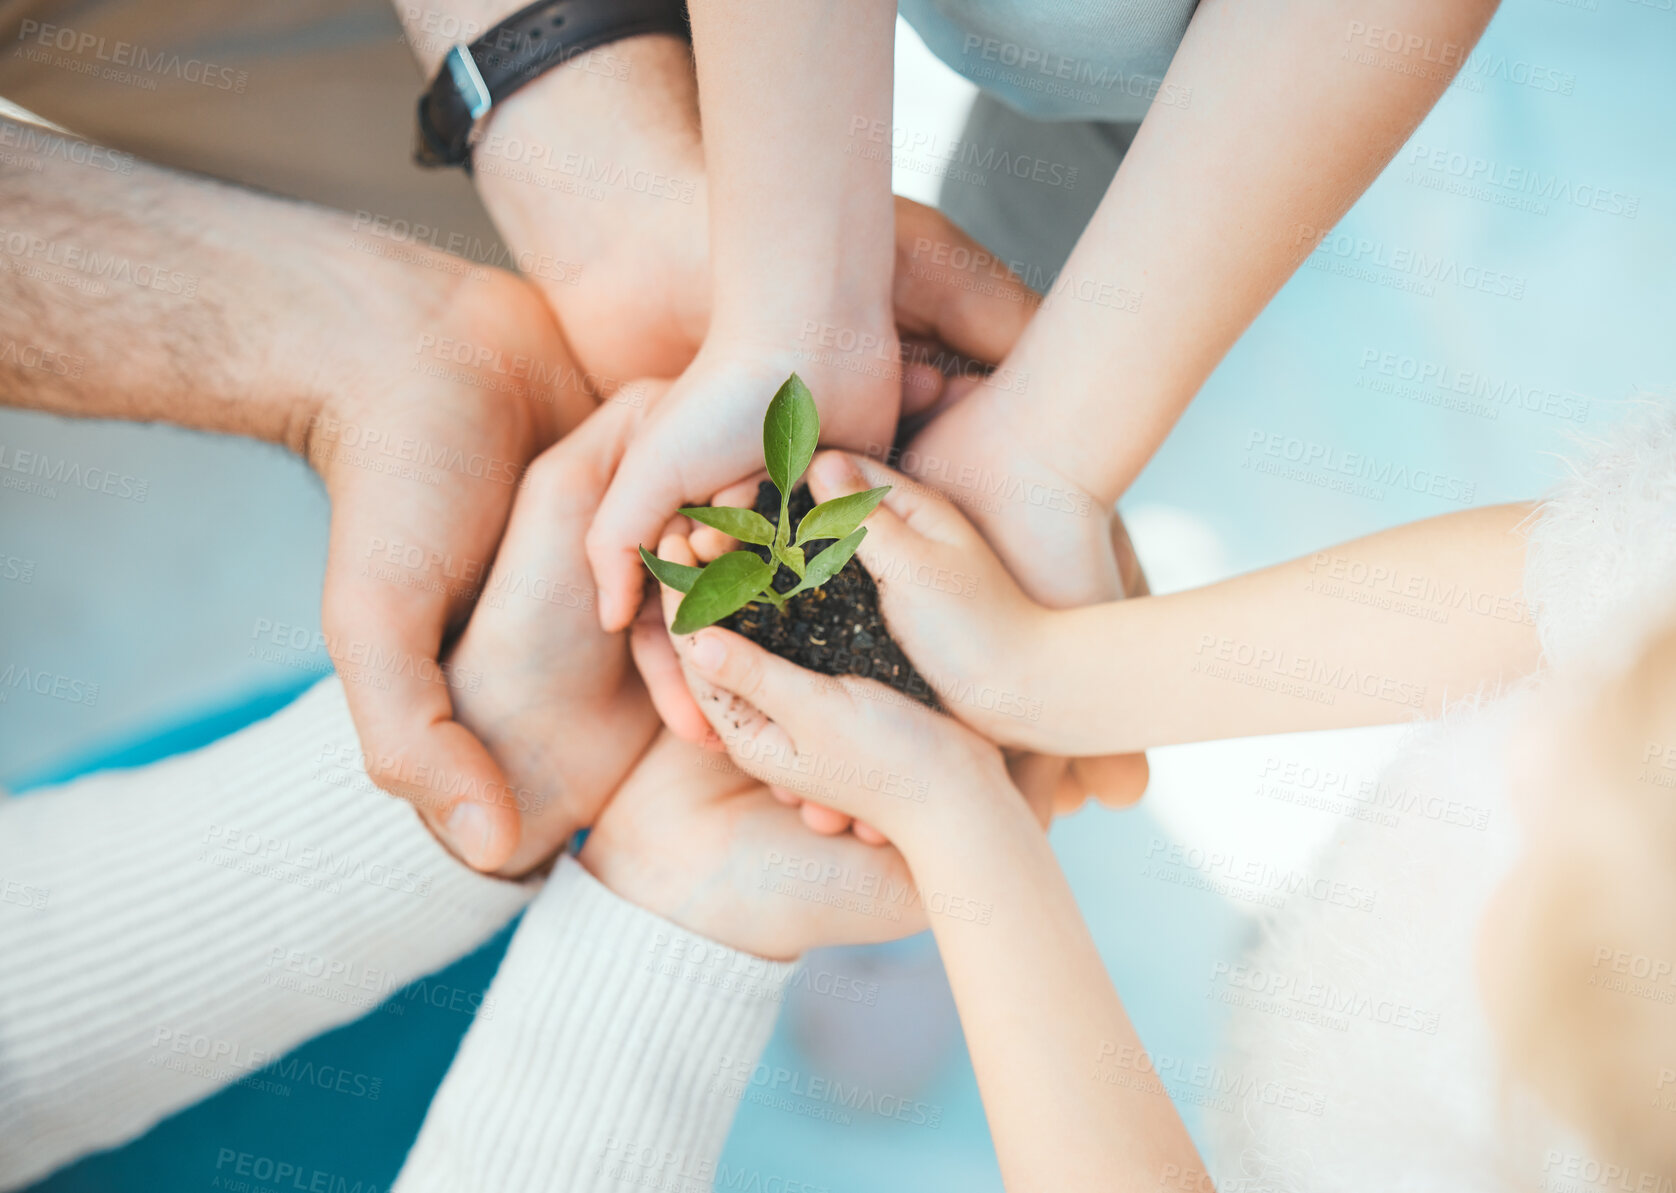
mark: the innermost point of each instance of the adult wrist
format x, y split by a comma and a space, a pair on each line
596, 169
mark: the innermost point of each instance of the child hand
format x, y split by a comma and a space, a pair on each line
951, 604
850, 744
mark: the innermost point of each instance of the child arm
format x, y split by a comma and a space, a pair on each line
1042, 1021
1381, 629
1385, 628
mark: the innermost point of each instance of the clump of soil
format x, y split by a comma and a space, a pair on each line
835, 629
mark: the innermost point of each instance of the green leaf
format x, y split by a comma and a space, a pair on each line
678, 576
792, 557
790, 430
836, 518
830, 561
725, 586
747, 526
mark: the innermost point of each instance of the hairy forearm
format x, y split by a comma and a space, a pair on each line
1380, 630
151, 295
1247, 158
799, 222
1070, 1102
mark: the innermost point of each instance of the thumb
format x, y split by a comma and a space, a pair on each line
398, 696
909, 514
639, 501
781, 691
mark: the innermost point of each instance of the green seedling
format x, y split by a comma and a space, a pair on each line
790, 431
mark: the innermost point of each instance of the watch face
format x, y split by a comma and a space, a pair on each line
462, 69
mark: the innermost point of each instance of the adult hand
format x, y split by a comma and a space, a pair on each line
448, 387
695, 840
594, 176
559, 705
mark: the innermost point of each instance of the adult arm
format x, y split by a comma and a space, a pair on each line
1270, 122
594, 176
417, 385
615, 1041
640, 988
172, 929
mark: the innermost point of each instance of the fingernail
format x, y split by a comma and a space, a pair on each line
708, 653
836, 470
468, 833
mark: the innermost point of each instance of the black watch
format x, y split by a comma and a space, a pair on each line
475, 78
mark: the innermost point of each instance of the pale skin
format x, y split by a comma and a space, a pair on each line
1056, 1123
1380, 630
347, 358
1247, 161
641, 304
1006, 922
418, 386
1222, 195
801, 252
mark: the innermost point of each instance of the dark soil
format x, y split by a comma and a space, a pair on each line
835, 629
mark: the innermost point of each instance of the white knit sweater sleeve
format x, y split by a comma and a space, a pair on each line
168, 930
618, 1051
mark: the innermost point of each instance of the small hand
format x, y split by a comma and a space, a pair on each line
950, 295
690, 837
706, 432
947, 291
559, 704
845, 741
951, 605
1063, 542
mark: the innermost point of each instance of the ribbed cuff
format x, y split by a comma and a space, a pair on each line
190, 921
614, 1058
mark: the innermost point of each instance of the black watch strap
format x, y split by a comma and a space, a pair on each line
474, 78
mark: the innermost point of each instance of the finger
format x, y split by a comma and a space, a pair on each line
641, 496
660, 670
922, 385
909, 514
949, 286
785, 796
779, 690
709, 543
867, 833
1038, 778
742, 495
735, 724
824, 820
1116, 780
676, 548
1069, 795
1128, 563
955, 389
384, 648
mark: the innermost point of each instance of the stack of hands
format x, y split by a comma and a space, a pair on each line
556, 708
498, 447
